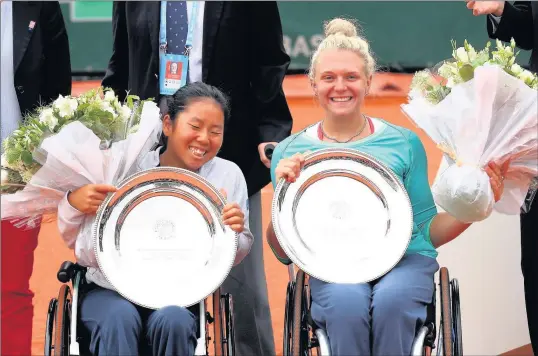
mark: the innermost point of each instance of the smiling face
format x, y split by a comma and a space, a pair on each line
340, 82
195, 136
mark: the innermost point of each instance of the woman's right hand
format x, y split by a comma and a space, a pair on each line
486, 7
290, 168
88, 198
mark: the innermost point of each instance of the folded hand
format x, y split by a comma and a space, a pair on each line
496, 175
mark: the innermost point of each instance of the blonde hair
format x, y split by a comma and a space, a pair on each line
342, 34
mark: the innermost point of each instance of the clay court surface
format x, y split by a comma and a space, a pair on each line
388, 94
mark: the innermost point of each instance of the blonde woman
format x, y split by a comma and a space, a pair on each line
380, 317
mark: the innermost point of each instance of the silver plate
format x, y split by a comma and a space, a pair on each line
160, 239
347, 218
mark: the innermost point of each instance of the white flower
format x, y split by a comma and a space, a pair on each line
47, 117
450, 83
461, 55
516, 69
105, 105
125, 112
4, 177
445, 70
526, 76
66, 106
110, 96
472, 53
501, 47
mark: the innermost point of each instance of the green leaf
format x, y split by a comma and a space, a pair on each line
466, 72
27, 157
13, 155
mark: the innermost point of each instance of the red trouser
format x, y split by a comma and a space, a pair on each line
18, 247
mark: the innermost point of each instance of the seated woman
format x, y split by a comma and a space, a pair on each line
193, 131
380, 317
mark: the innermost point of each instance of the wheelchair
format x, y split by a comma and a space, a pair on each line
63, 336
302, 336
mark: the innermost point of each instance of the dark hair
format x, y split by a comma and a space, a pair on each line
176, 103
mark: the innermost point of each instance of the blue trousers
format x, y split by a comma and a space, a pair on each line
376, 318
118, 327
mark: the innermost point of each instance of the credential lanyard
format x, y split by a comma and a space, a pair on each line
190, 31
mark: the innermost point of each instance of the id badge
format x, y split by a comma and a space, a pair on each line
172, 73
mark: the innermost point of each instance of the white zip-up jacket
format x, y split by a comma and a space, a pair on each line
221, 173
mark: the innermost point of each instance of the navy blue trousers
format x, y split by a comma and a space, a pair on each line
377, 318
117, 327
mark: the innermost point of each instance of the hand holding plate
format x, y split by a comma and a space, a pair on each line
290, 168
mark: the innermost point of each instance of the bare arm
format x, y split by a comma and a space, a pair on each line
288, 169
275, 245
445, 228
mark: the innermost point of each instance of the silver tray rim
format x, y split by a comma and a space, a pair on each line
125, 181
281, 185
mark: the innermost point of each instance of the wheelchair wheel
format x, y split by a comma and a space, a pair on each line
288, 320
58, 324
49, 327
217, 324
456, 317
223, 324
297, 330
446, 313
228, 327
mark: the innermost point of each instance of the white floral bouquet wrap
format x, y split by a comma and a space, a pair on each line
72, 142
479, 107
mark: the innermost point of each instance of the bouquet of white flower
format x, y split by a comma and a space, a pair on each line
74, 141
105, 116
478, 107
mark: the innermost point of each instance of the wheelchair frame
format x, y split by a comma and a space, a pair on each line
62, 338
301, 335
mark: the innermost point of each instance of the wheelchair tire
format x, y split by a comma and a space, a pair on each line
446, 313
62, 322
288, 321
299, 331
229, 325
49, 327
217, 324
456, 317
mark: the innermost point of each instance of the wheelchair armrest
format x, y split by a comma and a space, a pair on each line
67, 271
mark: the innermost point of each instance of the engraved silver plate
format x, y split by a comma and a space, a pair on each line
347, 218
160, 239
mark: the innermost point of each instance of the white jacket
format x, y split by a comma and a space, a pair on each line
221, 173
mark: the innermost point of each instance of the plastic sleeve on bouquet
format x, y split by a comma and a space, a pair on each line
464, 192
491, 117
73, 158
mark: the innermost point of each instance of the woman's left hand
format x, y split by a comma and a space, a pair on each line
233, 216
496, 175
